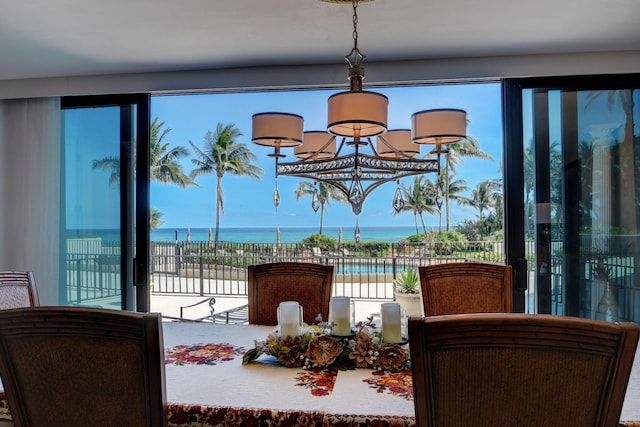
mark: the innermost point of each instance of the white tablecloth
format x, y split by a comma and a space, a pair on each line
259, 385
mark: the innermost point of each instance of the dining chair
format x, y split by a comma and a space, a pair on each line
18, 289
307, 283
78, 367
505, 369
466, 287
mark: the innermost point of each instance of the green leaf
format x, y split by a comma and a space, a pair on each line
251, 355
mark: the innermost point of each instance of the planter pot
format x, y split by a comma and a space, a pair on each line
411, 303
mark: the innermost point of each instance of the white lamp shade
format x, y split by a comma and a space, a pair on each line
441, 126
316, 145
277, 129
398, 139
357, 114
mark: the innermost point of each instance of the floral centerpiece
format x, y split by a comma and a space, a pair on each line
316, 348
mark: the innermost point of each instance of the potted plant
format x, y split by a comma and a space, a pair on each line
407, 292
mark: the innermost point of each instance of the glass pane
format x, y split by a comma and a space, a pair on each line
583, 244
609, 204
92, 157
188, 265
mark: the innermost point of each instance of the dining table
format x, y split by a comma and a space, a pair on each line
208, 385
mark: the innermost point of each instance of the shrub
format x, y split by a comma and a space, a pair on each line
448, 242
417, 238
372, 247
325, 243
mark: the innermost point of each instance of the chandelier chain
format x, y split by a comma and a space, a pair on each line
355, 24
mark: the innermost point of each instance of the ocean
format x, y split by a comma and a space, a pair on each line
256, 234
287, 234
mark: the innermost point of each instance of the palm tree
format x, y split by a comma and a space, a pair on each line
156, 219
325, 192
432, 190
419, 198
452, 188
485, 196
455, 190
109, 164
164, 162
468, 147
221, 153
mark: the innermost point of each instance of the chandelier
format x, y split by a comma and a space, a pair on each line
344, 156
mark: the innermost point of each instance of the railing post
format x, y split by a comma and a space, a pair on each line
201, 271
78, 280
393, 267
177, 257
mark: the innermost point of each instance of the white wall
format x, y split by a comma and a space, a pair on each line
377, 73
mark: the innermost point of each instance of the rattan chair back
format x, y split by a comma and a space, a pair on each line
270, 284
466, 287
487, 370
18, 289
78, 367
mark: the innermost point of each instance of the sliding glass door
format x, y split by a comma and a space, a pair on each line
574, 156
105, 202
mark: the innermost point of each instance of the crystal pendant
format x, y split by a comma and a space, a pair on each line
398, 202
356, 192
315, 202
356, 233
276, 198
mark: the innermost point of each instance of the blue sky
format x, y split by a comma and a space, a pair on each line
248, 202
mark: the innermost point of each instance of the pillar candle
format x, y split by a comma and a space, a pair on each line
339, 311
289, 318
390, 316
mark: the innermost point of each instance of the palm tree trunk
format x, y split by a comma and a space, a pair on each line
415, 220
424, 227
321, 216
218, 209
446, 189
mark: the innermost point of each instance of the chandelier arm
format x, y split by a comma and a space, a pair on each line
337, 185
342, 141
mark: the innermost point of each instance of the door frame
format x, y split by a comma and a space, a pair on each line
135, 208
514, 221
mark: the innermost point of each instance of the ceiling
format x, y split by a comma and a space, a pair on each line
52, 38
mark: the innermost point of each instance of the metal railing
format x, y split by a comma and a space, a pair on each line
364, 272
